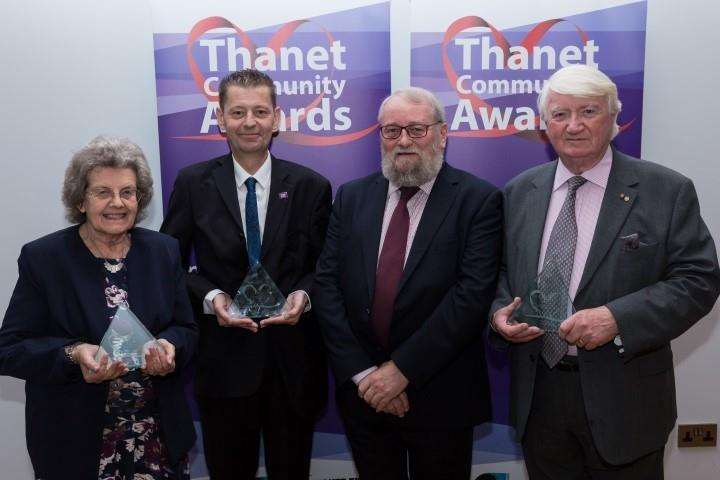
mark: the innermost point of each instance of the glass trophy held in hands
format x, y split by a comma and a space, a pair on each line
258, 297
546, 303
126, 340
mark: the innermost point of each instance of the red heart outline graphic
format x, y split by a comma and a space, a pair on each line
530, 40
276, 42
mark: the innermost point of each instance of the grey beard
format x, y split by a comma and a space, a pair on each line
426, 170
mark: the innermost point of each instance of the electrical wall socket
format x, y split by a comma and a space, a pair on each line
698, 435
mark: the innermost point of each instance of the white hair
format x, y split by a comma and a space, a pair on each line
417, 95
581, 81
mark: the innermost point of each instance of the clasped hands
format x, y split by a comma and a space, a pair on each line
159, 360
384, 390
588, 329
290, 315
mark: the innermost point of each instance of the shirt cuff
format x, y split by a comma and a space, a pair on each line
308, 305
357, 378
208, 308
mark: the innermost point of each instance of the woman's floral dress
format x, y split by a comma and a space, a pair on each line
131, 445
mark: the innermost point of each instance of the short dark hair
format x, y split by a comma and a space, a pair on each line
247, 78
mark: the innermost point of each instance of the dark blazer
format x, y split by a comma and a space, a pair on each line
59, 300
656, 287
204, 215
446, 289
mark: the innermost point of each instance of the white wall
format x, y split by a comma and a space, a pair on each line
68, 71
74, 69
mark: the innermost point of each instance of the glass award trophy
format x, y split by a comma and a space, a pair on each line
546, 304
258, 297
126, 340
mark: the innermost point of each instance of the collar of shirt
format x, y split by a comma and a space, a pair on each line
262, 176
425, 187
597, 175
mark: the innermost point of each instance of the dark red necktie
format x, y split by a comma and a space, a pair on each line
390, 267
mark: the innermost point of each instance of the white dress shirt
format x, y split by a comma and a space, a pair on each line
262, 193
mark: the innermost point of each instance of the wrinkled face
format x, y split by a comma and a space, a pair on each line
110, 204
249, 119
411, 161
579, 128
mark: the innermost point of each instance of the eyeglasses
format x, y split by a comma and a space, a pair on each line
104, 194
415, 130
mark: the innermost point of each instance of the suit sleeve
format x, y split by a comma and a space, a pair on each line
183, 331
26, 351
503, 294
658, 313
317, 228
347, 357
179, 223
460, 317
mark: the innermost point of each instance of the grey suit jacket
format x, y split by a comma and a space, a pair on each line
656, 289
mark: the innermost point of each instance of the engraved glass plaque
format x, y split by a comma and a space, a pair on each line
258, 297
126, 340
546, 304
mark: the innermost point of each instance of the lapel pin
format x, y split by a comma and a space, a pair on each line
626, 198
283, 195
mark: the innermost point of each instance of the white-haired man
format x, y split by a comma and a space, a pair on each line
596, 399
407, 273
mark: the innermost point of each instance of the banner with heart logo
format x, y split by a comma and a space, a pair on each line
487, 61
330, 63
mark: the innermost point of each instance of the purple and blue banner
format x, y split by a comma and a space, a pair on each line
330, 62
487, 62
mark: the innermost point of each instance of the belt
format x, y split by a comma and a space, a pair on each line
569, 363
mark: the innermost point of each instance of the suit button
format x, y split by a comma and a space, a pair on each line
367, 311
532, 358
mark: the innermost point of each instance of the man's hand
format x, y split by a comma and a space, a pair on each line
380, 387
160, 358
398, 406
93, 371
294, 307
590, 328
221, 303
513, 331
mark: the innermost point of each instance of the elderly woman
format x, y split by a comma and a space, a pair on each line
90, 419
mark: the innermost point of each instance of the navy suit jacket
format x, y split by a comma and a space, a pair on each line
445, 292
204, 215
59, 300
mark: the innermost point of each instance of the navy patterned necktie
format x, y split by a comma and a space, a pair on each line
561, 250
252, 224
390, 267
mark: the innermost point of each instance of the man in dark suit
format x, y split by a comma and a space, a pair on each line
596, 399
407, 273
232, 211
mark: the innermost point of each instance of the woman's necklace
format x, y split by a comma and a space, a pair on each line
112, 268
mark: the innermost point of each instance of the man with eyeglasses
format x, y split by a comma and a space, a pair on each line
406, 276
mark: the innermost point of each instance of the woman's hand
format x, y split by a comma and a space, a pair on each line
159, 358
96, 371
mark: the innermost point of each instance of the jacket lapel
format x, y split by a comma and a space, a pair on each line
537, 201
370, 223
438, 204
613, 212
281, 190
224, 176
90, 280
